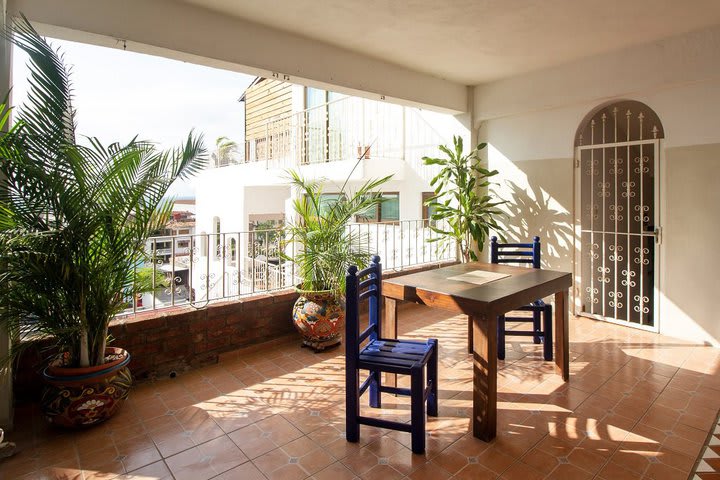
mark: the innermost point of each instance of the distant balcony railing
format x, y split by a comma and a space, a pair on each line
344, 129
231, 265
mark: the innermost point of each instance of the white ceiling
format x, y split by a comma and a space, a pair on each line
476, 41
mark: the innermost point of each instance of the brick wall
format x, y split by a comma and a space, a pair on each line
164, 341
179, 339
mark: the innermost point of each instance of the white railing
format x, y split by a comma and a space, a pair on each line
222, 266
343, 129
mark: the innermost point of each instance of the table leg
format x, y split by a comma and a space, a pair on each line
562, 338
470, 334
484, 376
388, 329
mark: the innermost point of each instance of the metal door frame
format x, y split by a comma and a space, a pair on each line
657, 264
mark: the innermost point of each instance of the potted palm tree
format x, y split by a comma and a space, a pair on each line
73, 223
462, 204
327, 247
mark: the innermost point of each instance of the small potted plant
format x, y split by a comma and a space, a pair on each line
327, 247
74, 219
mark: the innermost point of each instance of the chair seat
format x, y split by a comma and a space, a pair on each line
533, 307
394, 356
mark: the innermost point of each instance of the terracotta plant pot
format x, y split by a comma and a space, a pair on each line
82, 397
320, 318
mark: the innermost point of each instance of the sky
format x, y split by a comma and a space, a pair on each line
121, 94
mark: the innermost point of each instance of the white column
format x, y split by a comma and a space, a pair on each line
6, 411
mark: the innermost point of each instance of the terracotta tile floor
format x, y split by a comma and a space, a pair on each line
638, 405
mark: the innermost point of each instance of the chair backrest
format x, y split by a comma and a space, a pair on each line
362, 285
518, 253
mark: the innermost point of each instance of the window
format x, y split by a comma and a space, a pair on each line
323, 129
427, 211
387, 211
216, 231
163, 245
233, 251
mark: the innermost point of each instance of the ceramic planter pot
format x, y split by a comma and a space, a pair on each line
82, 397
320, 318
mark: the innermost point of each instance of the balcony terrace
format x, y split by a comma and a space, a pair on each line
638, 405
340, 132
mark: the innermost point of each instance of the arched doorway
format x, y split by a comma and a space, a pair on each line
617, 151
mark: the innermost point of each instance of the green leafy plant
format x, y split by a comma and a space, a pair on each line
326, 246
147, 280
74, 217
462, 199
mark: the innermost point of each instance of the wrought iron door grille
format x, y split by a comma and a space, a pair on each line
618, 163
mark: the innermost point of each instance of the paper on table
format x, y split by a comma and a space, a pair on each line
479, 277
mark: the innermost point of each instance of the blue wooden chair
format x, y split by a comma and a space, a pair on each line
523, 253
378, 355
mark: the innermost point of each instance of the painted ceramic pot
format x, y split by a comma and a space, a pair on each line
82, 397
320, 318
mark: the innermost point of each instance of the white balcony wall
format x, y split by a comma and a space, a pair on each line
531, 121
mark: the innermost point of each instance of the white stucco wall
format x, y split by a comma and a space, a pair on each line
531, 121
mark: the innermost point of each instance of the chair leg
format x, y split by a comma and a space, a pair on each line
417, 409
501, 337
432, 402
548, 333
375, 384
352, 403
536, 327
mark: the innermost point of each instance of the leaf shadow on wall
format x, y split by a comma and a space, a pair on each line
529, 213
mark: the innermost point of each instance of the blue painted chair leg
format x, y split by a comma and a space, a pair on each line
417, 409
548, 335
352, 407
432, 402
536, 327
375, 399
501, 337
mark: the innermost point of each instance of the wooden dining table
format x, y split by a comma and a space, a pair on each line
483, 291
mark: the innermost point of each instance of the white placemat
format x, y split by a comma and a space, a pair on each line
479, 277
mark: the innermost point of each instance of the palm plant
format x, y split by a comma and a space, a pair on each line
225, 150
462, 201
327, 246
74, 218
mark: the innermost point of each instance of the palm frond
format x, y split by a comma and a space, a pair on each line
74, 218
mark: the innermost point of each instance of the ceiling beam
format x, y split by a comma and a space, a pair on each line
185, 32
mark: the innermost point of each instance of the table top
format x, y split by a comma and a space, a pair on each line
464, 289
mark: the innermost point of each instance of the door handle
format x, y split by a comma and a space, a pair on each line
657, 233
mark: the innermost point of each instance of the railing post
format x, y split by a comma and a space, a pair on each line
223, 255
154, 271
267, 261
237, 265
190, 296
172, 272
207, 270
252, 260
267, 147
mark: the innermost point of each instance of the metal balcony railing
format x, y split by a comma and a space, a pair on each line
223, 266
344, 129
